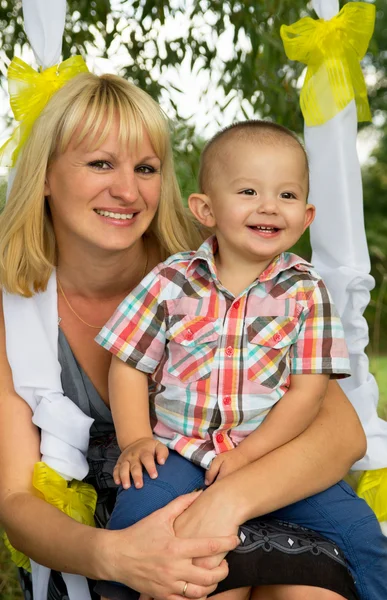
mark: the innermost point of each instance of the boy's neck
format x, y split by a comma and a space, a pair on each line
237, 273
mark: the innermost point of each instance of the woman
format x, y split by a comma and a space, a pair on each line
96, 196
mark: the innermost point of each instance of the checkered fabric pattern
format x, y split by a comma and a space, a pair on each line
220, 363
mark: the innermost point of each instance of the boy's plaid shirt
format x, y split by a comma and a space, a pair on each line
219, 362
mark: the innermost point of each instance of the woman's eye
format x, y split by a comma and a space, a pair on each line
145, 169
100, 165
288, 195
248, 192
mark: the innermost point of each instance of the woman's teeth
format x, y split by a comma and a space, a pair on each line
113, 215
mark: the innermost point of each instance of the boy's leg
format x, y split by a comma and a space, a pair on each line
176, 477
341, 516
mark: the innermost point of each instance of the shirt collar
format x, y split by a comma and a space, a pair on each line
283, 262
205, 254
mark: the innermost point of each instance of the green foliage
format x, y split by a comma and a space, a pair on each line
257, 70
187, 149
9, 585
375, 213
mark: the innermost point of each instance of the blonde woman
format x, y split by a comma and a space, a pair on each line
95, 201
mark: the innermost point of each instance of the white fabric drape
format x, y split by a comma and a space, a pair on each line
340, 253
32, 333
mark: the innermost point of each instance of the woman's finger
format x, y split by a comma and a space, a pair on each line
204, 578
194, 592
175, 508
198, 548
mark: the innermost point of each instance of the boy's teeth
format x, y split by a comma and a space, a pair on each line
113, 215
265, 228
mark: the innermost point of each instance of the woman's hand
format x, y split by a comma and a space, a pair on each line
150, 558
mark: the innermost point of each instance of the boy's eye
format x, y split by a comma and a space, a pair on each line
100, 165
288, 195
248, 192
145, 169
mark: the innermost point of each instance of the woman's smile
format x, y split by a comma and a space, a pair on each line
117, 217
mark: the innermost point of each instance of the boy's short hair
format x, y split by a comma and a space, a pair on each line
254, 129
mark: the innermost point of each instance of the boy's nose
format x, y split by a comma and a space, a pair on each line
267, 204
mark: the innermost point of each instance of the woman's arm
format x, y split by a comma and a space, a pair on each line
139, 556
310, 463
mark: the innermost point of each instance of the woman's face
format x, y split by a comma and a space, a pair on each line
104, 199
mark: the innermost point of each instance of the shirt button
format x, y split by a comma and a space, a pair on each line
229, 350
219, 438
227, 400
277, 337
188, 334
236, 304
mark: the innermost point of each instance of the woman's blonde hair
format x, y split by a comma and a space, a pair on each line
85, 106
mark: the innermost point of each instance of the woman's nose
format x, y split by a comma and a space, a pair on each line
125, 185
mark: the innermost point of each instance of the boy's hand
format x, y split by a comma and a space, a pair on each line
134, 457
224, 464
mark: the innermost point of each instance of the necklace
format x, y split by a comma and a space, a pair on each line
76, 314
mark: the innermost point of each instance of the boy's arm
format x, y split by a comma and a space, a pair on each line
129, 403
296, 410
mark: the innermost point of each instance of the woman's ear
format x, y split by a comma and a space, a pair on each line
200, 207
46, 187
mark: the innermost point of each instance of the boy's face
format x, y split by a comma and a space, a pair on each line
258, 198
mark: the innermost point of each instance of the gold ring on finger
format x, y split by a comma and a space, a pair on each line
185, 589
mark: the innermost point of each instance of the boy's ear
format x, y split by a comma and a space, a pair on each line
310, 213
200, 207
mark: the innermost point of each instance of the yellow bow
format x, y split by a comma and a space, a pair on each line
76, 499
332, 51
29, 93
373, 488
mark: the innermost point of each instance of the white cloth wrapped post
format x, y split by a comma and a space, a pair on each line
340, 253
32, 333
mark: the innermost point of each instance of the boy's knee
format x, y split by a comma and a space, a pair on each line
133, 504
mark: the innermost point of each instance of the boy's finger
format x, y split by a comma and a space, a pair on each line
136, 473
125, 474
148, 461
212, 472
162, 453
116, 474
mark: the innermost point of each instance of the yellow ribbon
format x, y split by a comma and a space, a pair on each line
76, 499
373, 488
29, 93
332, 51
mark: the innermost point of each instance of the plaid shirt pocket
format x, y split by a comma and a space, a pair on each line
269, 341
191, 348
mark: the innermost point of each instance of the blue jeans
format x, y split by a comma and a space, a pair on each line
337, 513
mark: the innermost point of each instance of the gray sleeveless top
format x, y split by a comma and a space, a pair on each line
103, 449
77, 386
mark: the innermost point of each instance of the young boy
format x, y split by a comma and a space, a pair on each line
240, 338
